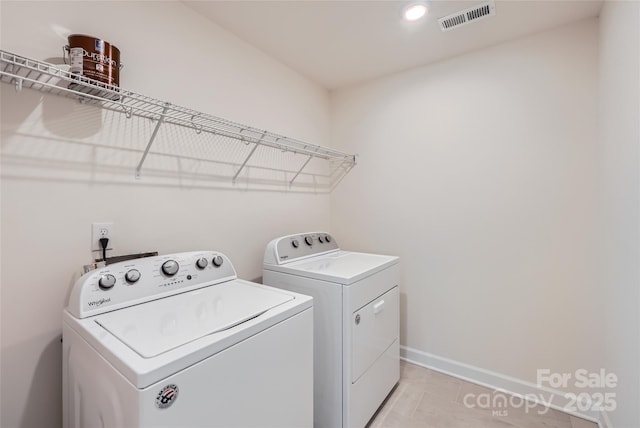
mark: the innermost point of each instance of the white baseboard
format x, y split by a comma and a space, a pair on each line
555, 399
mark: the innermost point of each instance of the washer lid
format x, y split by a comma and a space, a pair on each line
153, 328
343, 267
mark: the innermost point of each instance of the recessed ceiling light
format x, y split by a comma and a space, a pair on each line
415, 11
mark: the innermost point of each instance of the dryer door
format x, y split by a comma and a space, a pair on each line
374, 327
153, 328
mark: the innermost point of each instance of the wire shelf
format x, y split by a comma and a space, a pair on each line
47, 78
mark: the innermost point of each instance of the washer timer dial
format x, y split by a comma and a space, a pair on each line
170, 267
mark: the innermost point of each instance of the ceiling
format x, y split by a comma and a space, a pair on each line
341, 43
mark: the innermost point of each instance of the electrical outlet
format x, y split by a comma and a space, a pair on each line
101, 230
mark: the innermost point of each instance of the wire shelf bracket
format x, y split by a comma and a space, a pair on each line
253, 150
153, 137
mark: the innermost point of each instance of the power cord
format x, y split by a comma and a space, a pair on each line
103, 243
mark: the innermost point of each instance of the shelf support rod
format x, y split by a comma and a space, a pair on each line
153, 137
253, 150
300, 170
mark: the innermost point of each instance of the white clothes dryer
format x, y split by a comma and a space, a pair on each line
356, 325
179, 341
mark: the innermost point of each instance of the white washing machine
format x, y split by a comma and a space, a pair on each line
179, 341
356, 325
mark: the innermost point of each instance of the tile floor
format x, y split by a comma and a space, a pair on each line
428, 399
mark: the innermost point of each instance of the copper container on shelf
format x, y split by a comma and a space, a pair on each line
94, 58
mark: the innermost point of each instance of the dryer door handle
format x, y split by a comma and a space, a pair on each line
378, 307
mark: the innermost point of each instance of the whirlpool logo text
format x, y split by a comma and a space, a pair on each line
100, 302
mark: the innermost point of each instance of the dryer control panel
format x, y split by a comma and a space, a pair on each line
296, 247
132, 282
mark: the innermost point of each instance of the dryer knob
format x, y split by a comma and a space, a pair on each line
308, 240
321, 239
107, 281
327, 238
295, 243
170, 267
132, 276
202, 263
217, 261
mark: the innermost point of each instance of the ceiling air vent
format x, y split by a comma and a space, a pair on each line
466, 16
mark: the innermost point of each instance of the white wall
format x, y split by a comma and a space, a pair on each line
480, 173
619, 145
57, 179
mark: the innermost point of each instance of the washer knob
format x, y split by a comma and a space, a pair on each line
132, 276
308, 240
202, 263
327, 238
170, 267
321, 239
217, 261
295, 243
107, 281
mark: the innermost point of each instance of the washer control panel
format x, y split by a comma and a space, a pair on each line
137, 281
293, 247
